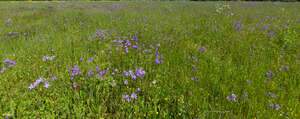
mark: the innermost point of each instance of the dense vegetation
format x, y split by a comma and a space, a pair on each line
154, 60
163, 0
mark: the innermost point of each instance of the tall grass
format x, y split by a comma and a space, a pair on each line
181, 59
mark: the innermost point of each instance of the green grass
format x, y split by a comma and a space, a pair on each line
231, 57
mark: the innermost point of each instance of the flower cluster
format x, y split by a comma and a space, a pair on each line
159, 59
13, 33
232, 98
128, 98
275, 107
52, 77
48, 58
75, 71
285, 67
99, 34
2, 70
9, 63
139, 73
269, 74
270, 94
37, 82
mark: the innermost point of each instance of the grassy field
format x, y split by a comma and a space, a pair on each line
150, 60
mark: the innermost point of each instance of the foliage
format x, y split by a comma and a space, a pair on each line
149, 60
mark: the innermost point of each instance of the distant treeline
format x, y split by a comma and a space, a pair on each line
248, 0
159, 0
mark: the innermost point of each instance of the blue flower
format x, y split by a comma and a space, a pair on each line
125, 82
37, 82
91, 59
133, 96
9, 20
202, 49
47, 84
271, 105
7, 116
53, 78
228, 98
2, 70
126, 97
277, 106
74, 85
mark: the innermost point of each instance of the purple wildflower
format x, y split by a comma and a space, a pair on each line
135, 38
7, 116
232, 98
233, 95
244, 96
138, 89
125, 82
126, 97
228, 98
272, 95
158, 44
135, 46
269, 73
194, 67
8, 62
157, 60
91, 59
48, 58
271, 105
47, 84
74, 85
271, 33
286, 67
91, 73
75, 71
2, 70
202, 49
97, 69
140, 73
13, 62
133, 95
37, 82
277, 106
9, 20
31, 86
249, 81
53, 78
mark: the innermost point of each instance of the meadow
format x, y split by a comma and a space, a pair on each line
236, 60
